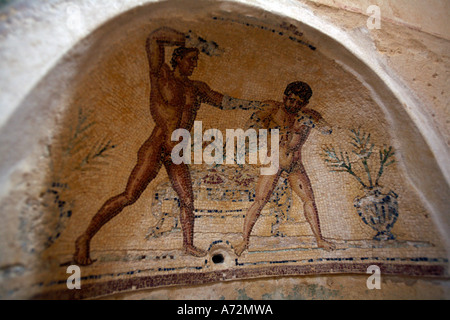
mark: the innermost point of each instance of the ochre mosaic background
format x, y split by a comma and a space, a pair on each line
108, 118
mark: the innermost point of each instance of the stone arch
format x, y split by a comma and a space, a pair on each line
47, 103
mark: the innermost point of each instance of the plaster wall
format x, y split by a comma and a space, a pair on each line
407, 57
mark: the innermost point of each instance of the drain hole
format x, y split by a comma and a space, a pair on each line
217, 258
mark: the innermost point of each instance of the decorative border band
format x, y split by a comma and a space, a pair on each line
92, 290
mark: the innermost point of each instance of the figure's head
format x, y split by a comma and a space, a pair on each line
296, 96
185, 59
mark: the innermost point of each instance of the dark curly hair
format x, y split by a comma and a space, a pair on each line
181, 52
299, 88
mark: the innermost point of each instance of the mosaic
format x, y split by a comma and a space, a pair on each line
120, 208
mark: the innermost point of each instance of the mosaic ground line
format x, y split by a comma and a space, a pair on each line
92, 290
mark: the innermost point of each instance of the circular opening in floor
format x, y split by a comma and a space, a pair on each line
218, 258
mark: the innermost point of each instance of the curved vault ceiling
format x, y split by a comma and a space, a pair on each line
103, 83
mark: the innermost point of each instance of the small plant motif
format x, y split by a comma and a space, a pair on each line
78, 140
78, 151
377, 210
363, 150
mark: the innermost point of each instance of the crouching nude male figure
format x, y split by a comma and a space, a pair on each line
174, 102
295, 123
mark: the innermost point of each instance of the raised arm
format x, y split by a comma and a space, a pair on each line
155, 44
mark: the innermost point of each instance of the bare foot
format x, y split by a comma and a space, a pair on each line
241, 247
81, 256
326, 245
194, 251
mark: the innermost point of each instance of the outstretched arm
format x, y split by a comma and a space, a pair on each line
225, 102
230, 103
261, 118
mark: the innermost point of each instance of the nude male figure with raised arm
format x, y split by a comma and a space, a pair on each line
174, 102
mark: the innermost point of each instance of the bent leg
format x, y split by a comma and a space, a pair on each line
147, 167
301, 185
180, 178
263, 192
